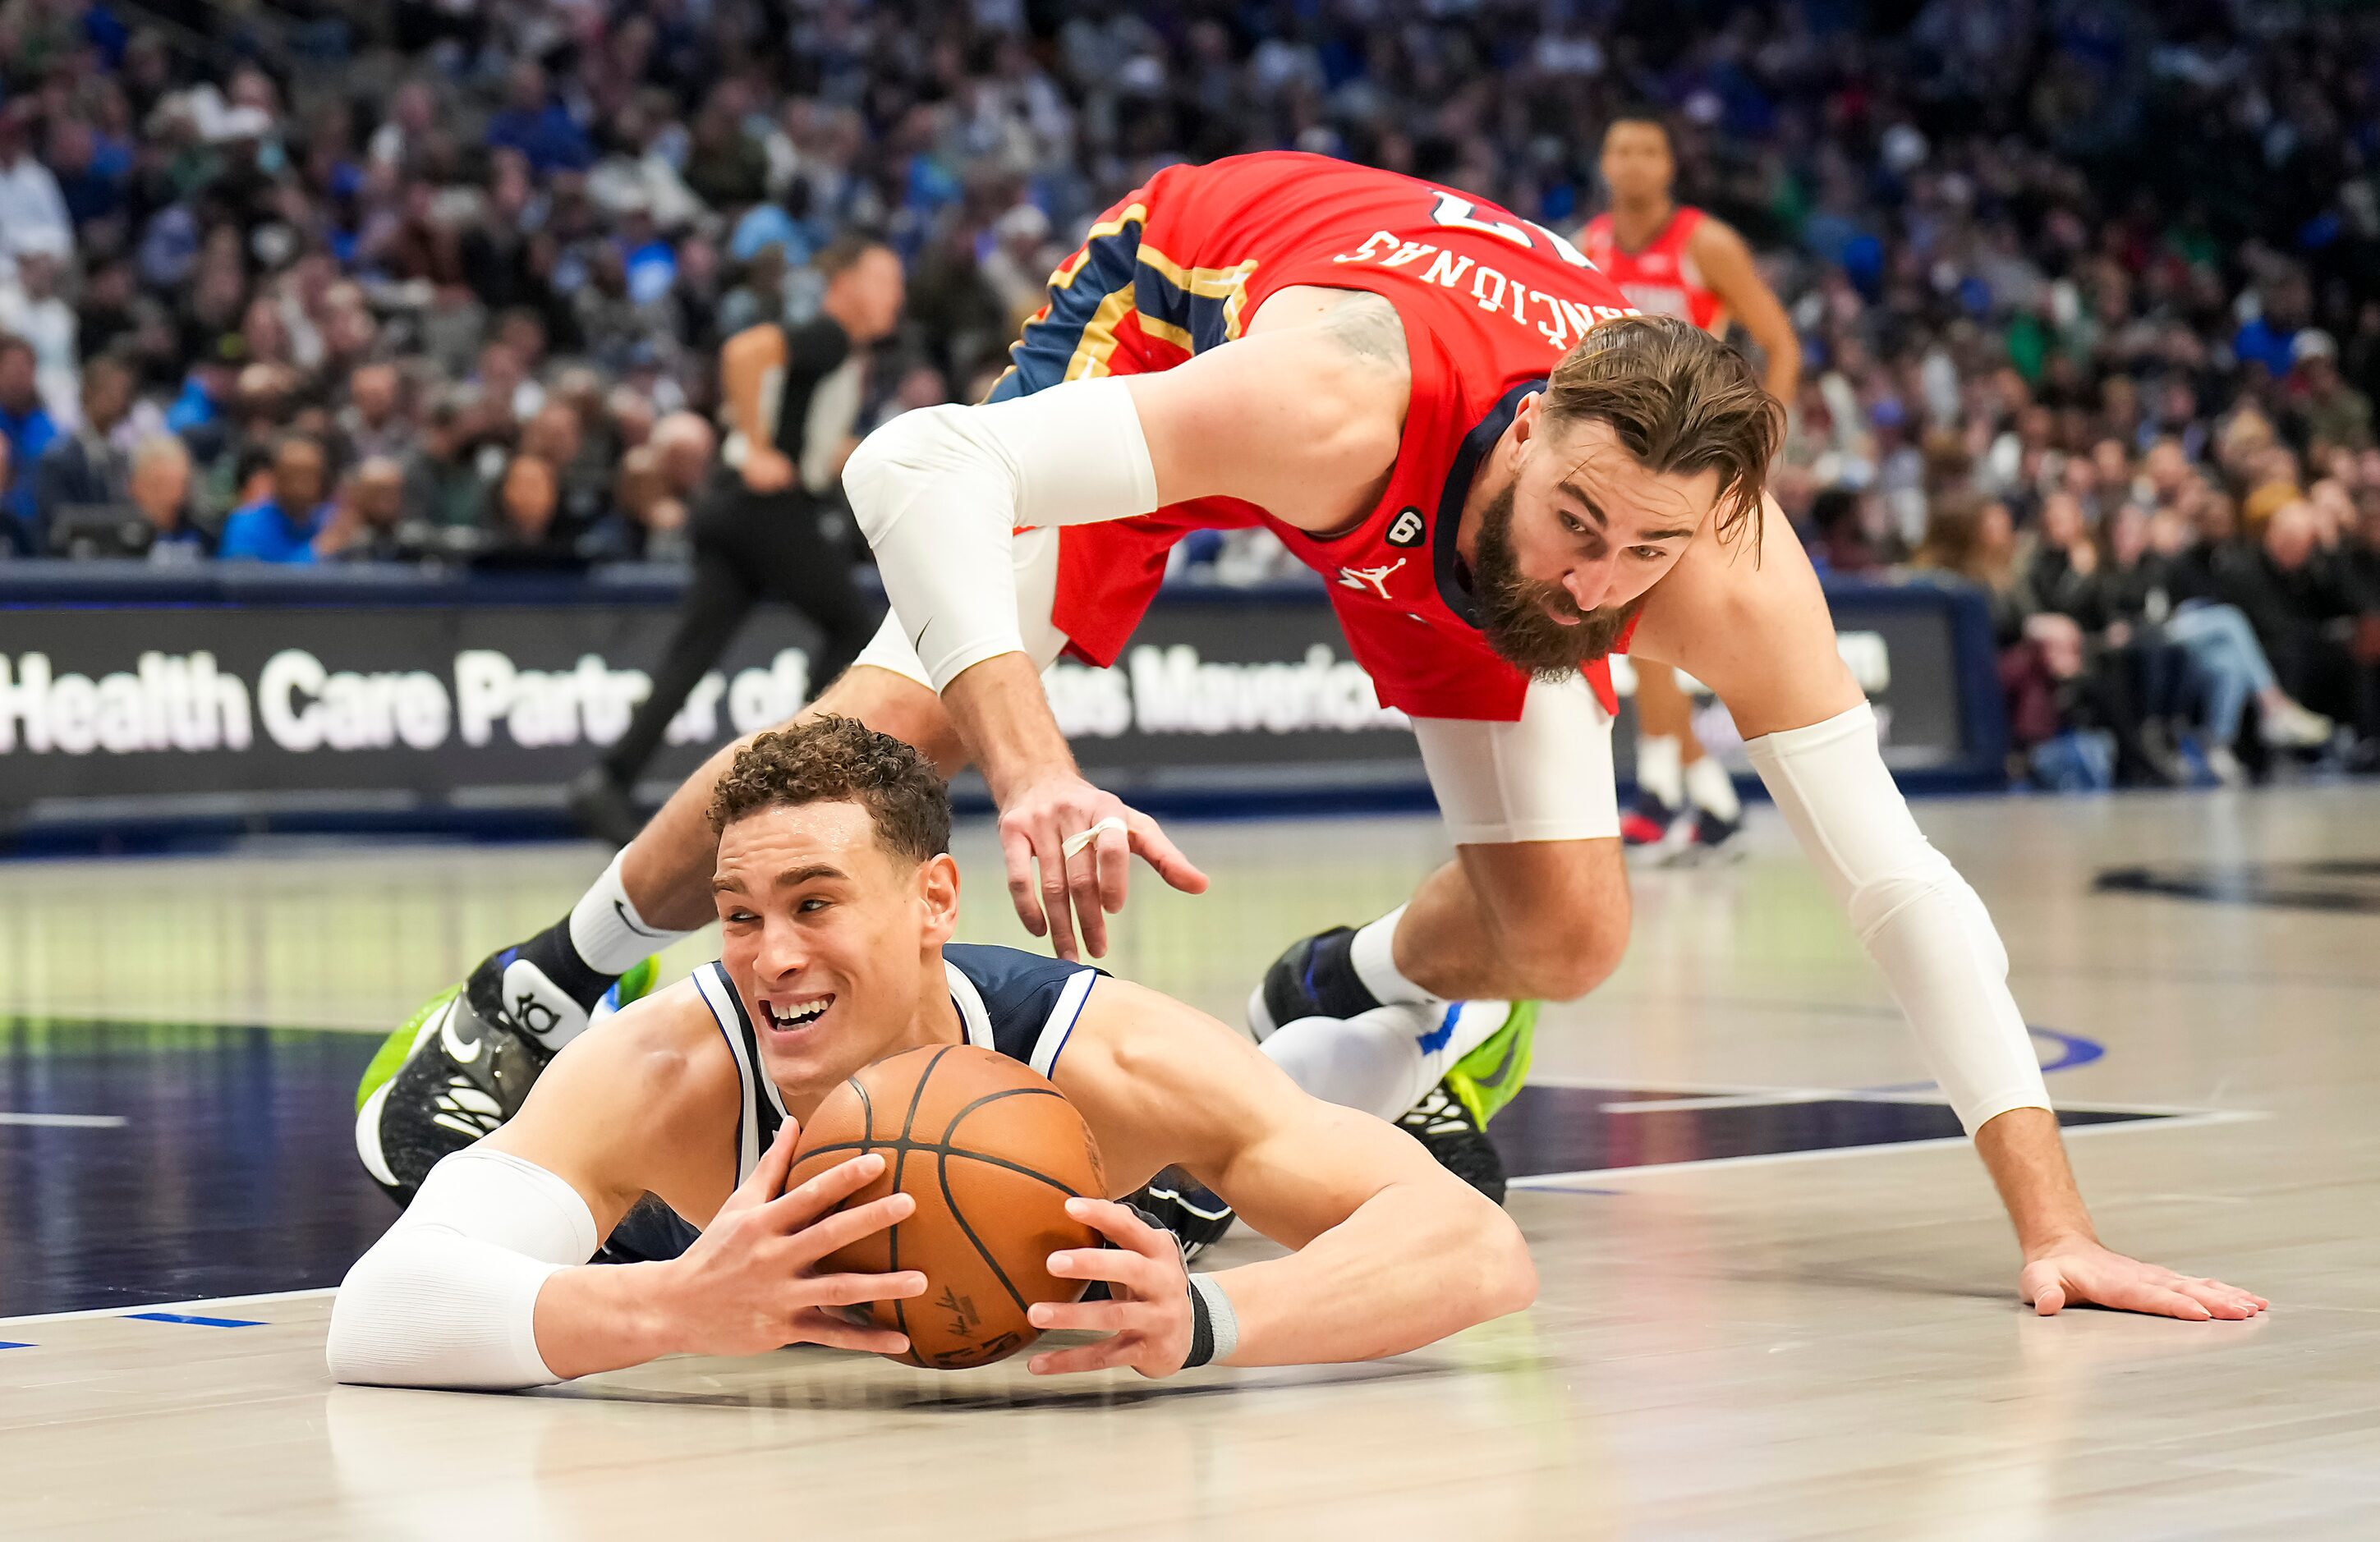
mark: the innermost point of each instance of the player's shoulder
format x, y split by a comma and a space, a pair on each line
669, 1046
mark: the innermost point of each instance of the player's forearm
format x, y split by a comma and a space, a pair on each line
606, 1317
1414, 1263
1783, 378
2027, 1160
1003, 715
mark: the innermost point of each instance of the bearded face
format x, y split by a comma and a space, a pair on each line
1529, 624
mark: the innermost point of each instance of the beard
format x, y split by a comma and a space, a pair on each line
1517, 614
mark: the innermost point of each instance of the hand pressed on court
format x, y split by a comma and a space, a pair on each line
750, 1281
2080, 1273
1148, 1316
1080, 888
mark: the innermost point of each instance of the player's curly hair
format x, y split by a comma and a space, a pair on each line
835, 760
1679, 400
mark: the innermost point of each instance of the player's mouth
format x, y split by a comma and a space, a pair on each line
793, 1016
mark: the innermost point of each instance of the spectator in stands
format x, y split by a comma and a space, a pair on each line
526, 533
533, 123
33, 307
443, 485
284, 528
34, 214
2329, 411
2313, 621
160, 488
29, 430
86, 468
374, 423
368, 522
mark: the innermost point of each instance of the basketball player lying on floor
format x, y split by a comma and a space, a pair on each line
836, 897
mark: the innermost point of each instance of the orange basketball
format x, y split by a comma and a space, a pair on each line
990, 1152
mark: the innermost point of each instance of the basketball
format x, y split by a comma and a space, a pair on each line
990, 1152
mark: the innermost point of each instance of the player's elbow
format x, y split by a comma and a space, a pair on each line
1507, 1273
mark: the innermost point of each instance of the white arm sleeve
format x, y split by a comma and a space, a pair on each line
940, 492
1915, 916
448, 1298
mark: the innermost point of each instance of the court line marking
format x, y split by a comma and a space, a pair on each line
1560, 1182
67, 1120
131, 1307
188, 1321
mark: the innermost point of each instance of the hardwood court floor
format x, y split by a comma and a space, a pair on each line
1772, 1306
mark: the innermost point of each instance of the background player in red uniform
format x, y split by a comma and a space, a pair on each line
1507, 472
1674, 260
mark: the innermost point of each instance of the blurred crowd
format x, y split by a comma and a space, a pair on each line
2089, 291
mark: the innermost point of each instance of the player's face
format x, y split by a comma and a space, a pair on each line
829, 936
1636, 161
1570, 547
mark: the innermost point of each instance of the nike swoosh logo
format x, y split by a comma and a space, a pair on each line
621, 906
457, 1051
920, 640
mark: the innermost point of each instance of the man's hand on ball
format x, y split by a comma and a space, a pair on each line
767, 469
2085, 1273
1148, 1316
1081, 840
751, 1282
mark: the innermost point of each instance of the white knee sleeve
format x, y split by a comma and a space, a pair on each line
1921, 922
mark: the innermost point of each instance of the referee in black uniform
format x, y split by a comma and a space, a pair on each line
791, 399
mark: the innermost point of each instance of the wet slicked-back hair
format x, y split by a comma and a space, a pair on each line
834, 759
1679, 400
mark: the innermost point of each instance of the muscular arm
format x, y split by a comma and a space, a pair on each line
757, 368
1394, 1252
1302, 416
1726, 266
1759, 635
495, 1246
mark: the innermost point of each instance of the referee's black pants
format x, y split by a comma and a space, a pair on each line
749, 547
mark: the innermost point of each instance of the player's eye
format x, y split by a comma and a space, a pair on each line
1652, 553
1573, 523
811, 904
740, 918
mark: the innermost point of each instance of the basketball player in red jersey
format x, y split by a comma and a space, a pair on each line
1505, 472
1673, 260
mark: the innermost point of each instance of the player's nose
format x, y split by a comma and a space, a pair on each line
1587, 583
783, 953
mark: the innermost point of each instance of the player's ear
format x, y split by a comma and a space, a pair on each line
1525, 417
937, 892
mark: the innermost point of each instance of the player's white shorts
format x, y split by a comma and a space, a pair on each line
1547, 777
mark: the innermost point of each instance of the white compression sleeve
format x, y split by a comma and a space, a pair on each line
938, 492
448, 1298
1922, 923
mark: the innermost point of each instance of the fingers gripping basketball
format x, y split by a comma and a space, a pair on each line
990, 1152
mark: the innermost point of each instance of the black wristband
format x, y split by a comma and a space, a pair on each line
1202, 1333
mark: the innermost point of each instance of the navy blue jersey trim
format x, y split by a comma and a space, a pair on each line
1476, 445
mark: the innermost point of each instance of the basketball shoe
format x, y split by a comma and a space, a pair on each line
1647, 821
1178, 1203
1316, 978
459, 1068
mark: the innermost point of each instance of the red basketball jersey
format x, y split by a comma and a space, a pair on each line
1490, 303
1661, 280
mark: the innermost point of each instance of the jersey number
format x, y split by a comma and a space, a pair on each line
1457, 214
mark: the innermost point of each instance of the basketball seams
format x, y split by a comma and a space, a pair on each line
900, 1158
951, 1203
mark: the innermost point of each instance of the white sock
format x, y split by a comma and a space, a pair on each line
1712, 789
1374, 955
1386, 1060
606, 929
1658, 758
